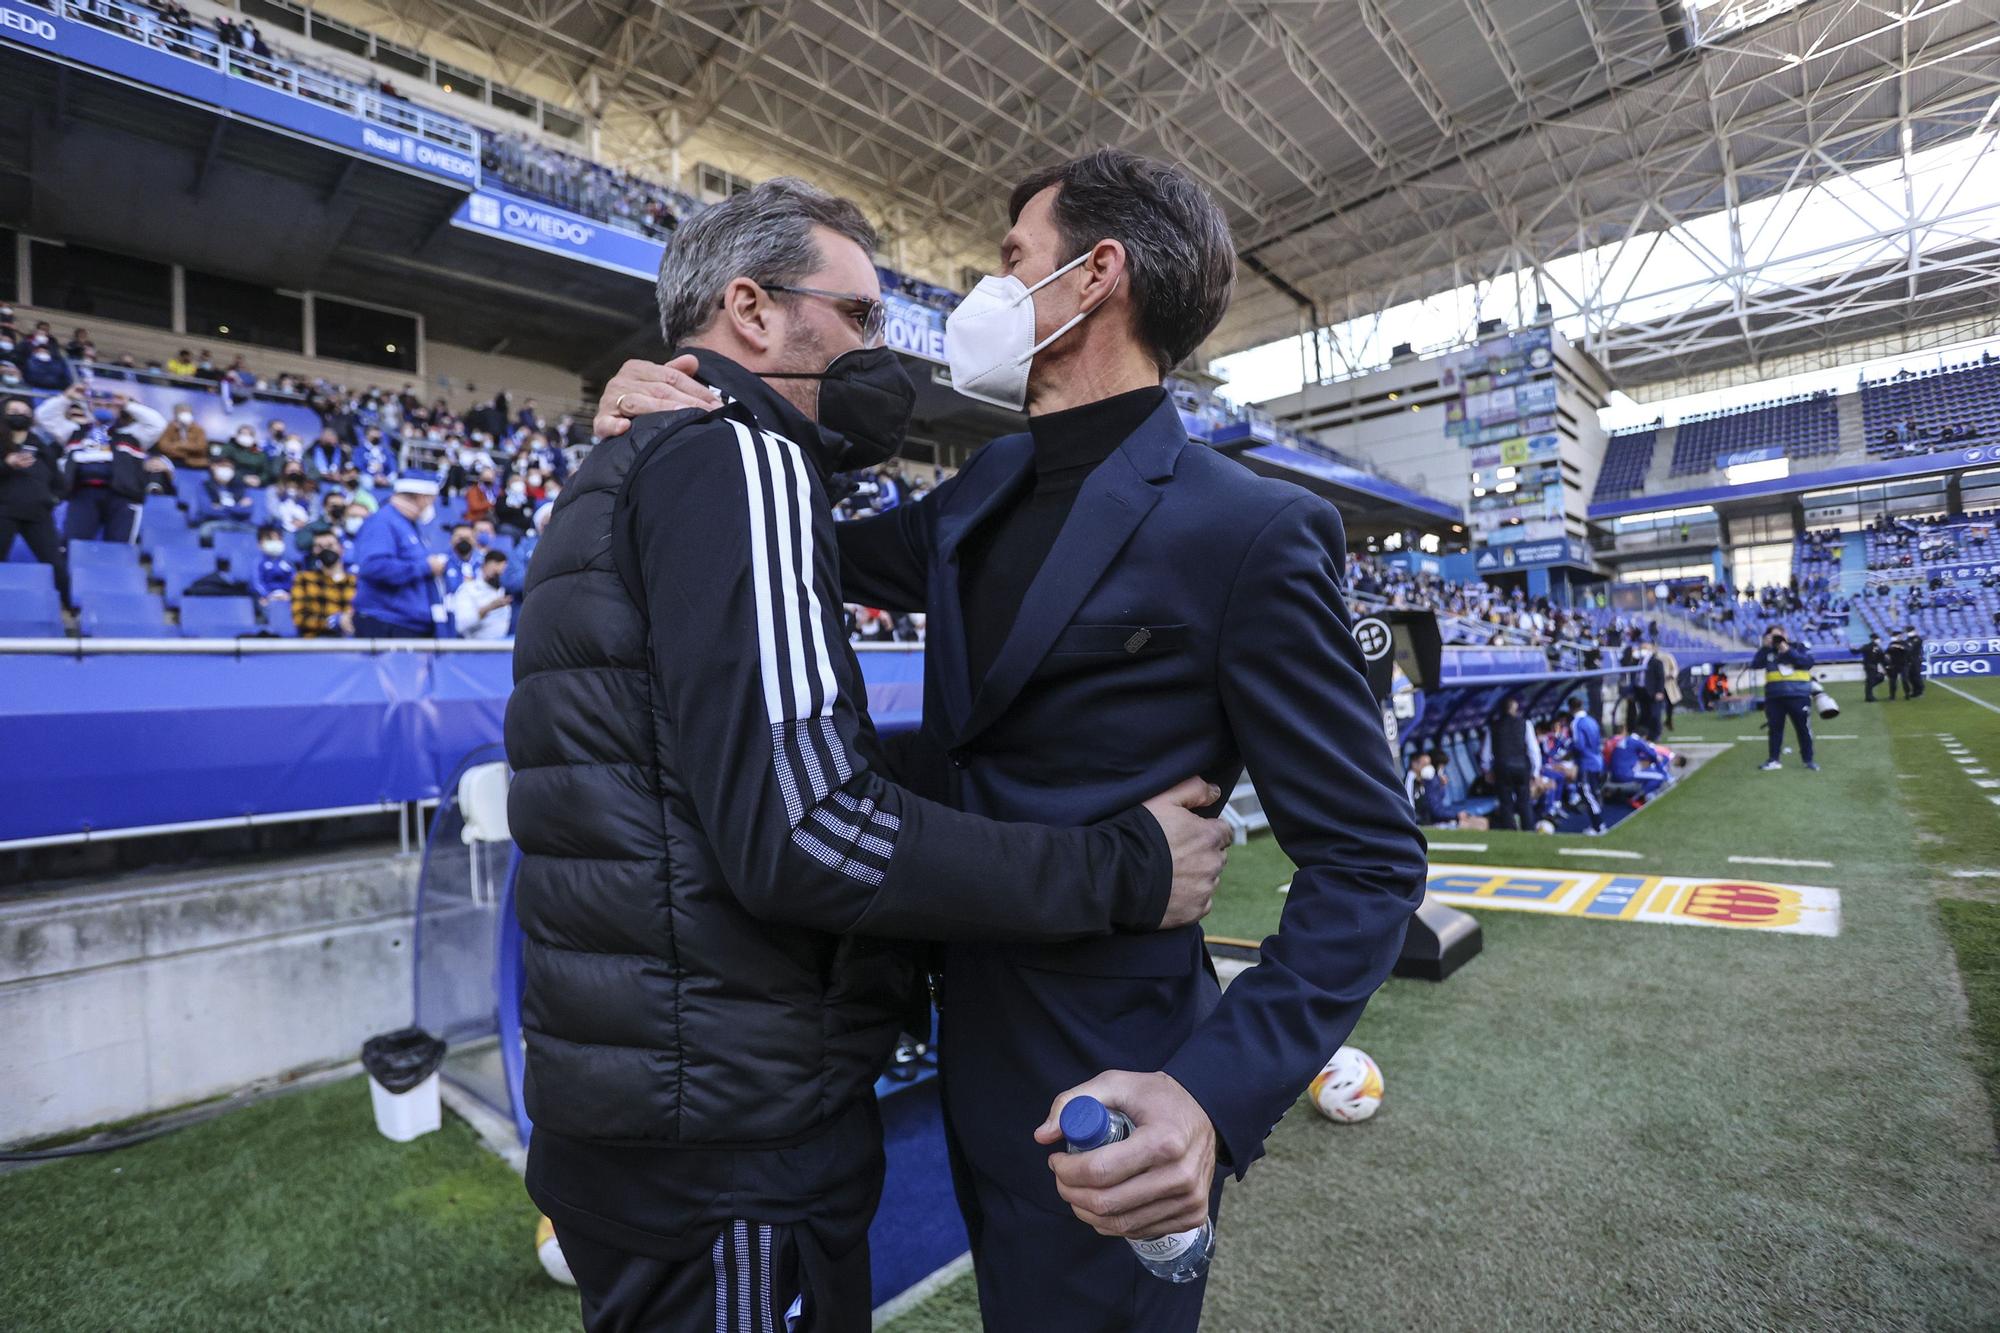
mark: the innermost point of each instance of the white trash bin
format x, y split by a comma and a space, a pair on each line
403, 1116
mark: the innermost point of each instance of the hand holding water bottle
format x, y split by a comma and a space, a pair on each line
1149, 1184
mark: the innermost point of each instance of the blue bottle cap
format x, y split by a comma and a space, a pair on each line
1085, 1122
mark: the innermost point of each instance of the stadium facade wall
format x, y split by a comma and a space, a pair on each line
133, 1000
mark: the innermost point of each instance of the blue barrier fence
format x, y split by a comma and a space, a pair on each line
98, 739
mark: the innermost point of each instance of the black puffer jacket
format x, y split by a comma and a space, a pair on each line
713, 860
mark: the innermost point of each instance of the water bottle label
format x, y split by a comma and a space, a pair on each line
1165, 1249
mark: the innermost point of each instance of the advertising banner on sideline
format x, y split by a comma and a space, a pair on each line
1737, 904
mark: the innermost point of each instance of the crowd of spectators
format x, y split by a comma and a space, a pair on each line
566, 180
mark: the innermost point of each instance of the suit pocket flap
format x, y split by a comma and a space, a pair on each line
1134, 640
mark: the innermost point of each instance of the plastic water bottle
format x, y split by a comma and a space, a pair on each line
1180, 1256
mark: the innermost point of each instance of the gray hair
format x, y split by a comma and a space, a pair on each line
763, 234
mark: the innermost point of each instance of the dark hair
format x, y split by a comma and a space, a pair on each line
271, 528
491, 556
1178, 255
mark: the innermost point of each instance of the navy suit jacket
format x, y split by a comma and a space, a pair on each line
1187, 621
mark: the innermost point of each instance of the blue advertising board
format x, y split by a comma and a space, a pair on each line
1529, 555
100, 49
913, 328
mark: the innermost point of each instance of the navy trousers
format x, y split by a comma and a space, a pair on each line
95, 514
1799, 710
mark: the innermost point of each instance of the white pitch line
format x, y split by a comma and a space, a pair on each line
1975, 772
1986, 782
1778, 861
1599, 851
1994, 799
1975, 874
1458, 846
1970, 698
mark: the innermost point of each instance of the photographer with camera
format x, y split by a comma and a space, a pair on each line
1788, 687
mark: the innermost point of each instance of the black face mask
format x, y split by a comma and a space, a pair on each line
327, 557
463, 548
865, 402
19, 423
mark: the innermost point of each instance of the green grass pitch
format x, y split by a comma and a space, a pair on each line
1593, 1125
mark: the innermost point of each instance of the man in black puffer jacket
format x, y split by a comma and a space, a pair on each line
715, 869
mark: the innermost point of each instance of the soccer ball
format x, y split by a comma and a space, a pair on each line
1544, 826
1349, 1088
549, 1250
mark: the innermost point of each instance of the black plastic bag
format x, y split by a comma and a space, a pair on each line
402, 1059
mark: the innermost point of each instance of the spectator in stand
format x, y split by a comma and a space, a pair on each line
280, 445
401, 580
465, 558
515, 580
327, 457
289, 502
236, 382
30, 478
252, 466
184, 442
272, 578
332, 521
484, 534
323, 592
79, 347
226, 504
181, 364
10, 376
104, 461
481, 608
375, 458
530, 418
45, 367
516, 510
205, 367
479, 496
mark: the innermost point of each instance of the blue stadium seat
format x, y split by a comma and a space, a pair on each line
164, 526
30, 613
277, 617
240, 550
87, 581
103, 555
218, 617
125, 617
25, 578
178, 566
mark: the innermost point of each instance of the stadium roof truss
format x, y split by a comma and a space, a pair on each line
1375, 152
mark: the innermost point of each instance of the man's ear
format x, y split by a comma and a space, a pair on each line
748, 310
1103, 273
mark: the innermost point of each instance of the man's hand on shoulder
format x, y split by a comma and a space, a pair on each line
641, 387
1200, 848
1153, 1183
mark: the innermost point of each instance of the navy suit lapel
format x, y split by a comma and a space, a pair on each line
1011, 460
1114, 501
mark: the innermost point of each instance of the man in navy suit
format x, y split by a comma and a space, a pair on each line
1110, 605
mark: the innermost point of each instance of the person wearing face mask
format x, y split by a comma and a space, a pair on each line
685, 681
44, 366
273, 576
105, 466
323, 592
399, 593
479, 496
516, 508
1108, 604
375, 458
465, 558
184, 443
225, 504
326, 458
515, 579
480, 607
246, 456
30, 477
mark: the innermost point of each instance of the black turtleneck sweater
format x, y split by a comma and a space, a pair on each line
998, 562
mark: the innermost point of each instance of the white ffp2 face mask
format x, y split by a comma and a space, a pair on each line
989, 339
